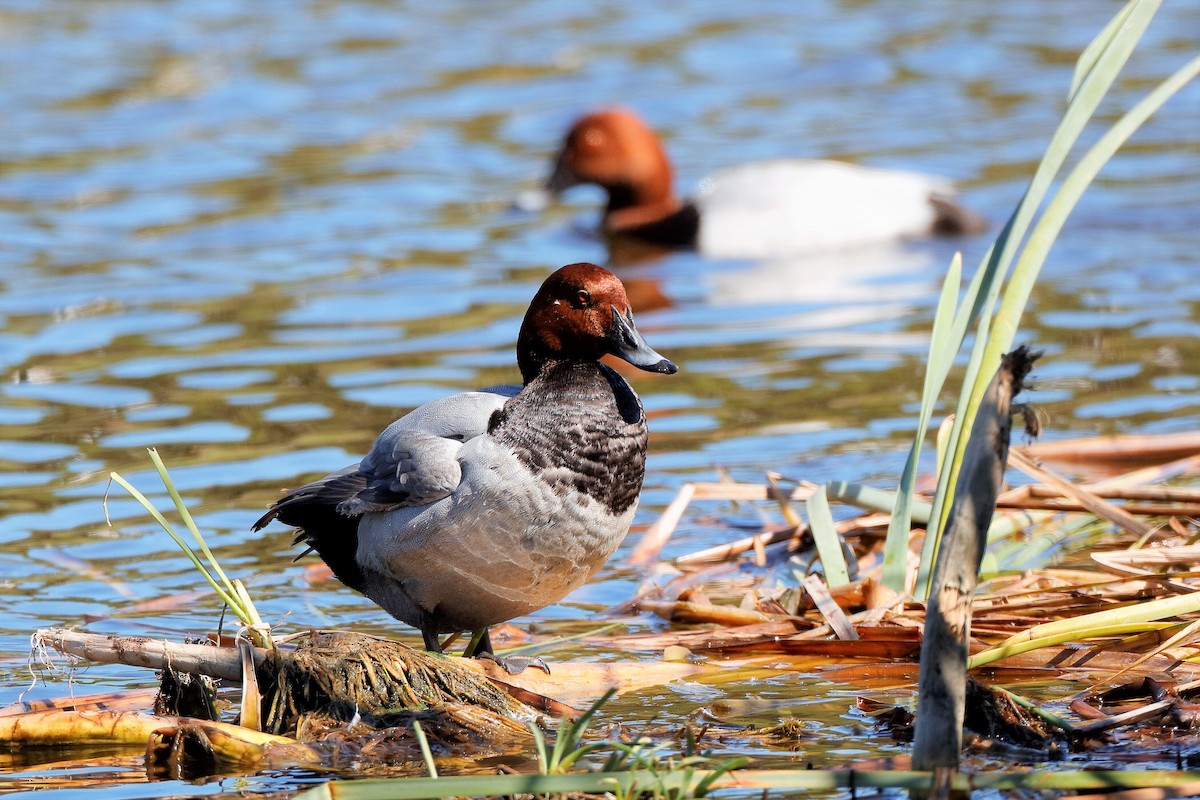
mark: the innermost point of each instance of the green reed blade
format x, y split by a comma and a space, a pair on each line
1001, 651
1112, 50
941, 354
186, 515
829, 542
1091, 54
229, 599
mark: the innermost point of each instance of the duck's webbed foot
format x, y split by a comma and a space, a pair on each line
481, 647
515, 665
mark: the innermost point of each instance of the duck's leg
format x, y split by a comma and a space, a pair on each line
481, 647
430, 637
480, 643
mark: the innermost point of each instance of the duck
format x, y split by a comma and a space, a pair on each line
751, 211
483, 506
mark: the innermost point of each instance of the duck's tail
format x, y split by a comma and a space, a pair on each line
951, 218
313, 510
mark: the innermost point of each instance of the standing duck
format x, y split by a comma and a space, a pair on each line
483, 506
757, 210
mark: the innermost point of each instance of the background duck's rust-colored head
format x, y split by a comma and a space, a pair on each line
616, 150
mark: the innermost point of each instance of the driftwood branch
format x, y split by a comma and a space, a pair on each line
571, 681
143, 651
944, 648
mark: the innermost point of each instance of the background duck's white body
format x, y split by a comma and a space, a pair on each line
772, 208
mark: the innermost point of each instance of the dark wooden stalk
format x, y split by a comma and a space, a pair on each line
937, 739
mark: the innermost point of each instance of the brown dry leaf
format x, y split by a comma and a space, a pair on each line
879, 642
848, 649
830, 610
735, 548
155, 605
698, 613
699, 640
673, 588
1136, 562
1101, 663
1092, 502
1119, 451
895, 675
659, 533
1146, 712
121, 700
573, 681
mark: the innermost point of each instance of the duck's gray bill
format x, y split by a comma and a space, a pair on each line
626, 343
562, 178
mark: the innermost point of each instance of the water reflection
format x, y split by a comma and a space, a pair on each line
830, 290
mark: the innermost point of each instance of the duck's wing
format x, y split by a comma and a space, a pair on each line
404, 468
413, 462
460, 417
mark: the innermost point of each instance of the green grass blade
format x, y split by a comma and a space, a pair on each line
946, 337
186, 516
1085, 100
985, 657
1093, 86
1054, 719
225, 596
1092, 53
829, 543
567, 761
963, 318
1002, 332
1033, 257
539, 744
1144, 611
941, 350
258, 631
796, 780
871, 498
426, 753
569, 736
706, 782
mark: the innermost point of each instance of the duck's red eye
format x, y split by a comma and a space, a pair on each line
583, 299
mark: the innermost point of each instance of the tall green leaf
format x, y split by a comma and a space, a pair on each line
1098, 67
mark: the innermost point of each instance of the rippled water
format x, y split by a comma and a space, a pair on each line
254, 233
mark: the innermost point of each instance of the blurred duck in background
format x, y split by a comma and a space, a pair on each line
757, 210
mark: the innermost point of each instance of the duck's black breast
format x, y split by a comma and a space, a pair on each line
578, 425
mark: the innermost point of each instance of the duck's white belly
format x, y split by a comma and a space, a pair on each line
774, 208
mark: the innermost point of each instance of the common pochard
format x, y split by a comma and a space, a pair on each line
483, 506
756, 210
